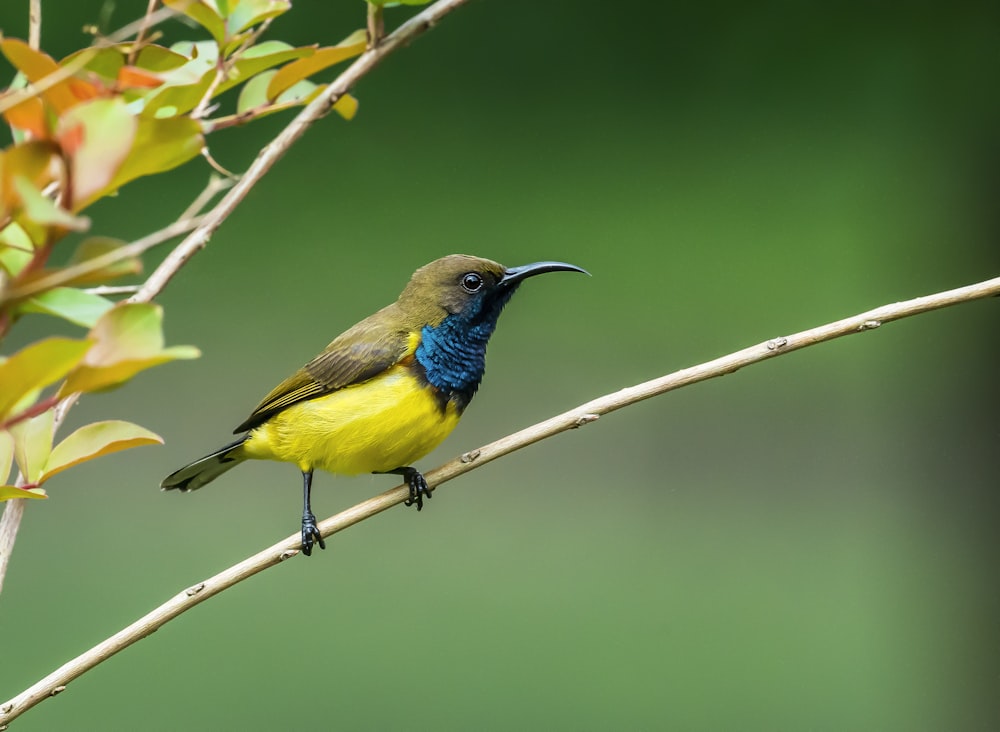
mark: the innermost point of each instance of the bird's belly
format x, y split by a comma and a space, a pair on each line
382, 424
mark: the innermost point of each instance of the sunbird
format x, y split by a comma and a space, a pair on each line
386, 391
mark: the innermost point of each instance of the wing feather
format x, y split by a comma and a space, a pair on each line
355, 356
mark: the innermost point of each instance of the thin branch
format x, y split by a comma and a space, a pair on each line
139, 27
315, 110
143, 26
31, 412
60, 277
585, 414
47, 82
186, 222
9, 524
35, 24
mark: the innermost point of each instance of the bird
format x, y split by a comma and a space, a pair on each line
385, 392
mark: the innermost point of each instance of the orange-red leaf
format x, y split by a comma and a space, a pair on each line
132, 77
29, 116
36, 65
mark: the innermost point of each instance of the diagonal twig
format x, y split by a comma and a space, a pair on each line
582, 415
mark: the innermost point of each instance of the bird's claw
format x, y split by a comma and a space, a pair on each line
418, 489
310, 535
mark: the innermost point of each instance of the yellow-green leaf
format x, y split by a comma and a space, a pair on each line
323, 58
128, 339
251, 12
94, 440
99, 246
158, 58
159, 145
36, 366
105, 131
204, 14
9, 491
69, 303
346, 107
187, 85
29, 160
38, 209
6, 454
16, 249
33, 443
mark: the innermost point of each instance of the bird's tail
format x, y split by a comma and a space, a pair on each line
194, 476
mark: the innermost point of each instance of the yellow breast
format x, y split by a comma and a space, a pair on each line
385, 423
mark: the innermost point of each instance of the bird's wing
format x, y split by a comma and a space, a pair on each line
357, 355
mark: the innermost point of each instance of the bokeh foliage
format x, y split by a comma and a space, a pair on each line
807, 544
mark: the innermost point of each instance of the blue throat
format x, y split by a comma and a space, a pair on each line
453, 353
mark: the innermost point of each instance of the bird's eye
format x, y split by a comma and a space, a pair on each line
472, 282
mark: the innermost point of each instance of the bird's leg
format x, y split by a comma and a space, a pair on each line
418, 485
310, 532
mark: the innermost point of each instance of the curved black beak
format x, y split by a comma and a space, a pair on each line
514, 275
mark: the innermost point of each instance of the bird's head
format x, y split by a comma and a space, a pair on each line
470, 288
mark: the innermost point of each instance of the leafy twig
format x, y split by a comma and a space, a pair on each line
187, 221
10, 521
578, 417
274, 151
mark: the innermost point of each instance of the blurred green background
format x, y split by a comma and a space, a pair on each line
809, 544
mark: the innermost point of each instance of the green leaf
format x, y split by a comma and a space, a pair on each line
36, 366
6, 454
40, 210
105, 131
253, 95
104, 62
69, 303
159, 58
97, 246
160, 145
16, 249
251, 12
9, 491
95, 440
33, 443
202, 13
185, 87
323, 58
128, 339
346, 107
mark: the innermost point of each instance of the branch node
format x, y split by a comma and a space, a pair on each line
585, 419
57, 690
6, 708
287, 554
776, 343
471, 456
194, 590
869, 325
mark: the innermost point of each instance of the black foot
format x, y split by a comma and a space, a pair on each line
418, 487
310, 535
